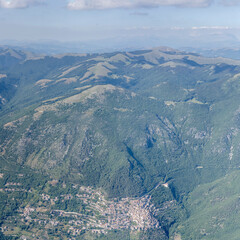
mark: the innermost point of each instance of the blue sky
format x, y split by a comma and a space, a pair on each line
151, 22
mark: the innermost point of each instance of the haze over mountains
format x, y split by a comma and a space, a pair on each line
122, 145
53, 47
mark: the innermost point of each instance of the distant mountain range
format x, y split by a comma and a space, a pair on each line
233, 53
47, 47
124, 145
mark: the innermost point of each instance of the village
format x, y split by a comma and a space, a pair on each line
95, 213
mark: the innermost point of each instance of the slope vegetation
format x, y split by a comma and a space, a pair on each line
148, 128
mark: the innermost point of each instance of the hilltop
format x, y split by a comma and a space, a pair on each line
110, 138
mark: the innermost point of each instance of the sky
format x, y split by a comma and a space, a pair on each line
143, 23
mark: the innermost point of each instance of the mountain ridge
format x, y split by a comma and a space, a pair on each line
155, 123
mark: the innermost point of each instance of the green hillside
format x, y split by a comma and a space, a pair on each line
121, 145
213, 210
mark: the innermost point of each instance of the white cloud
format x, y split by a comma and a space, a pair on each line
140, 13
19, 3
111, 4
230, 2
212, 28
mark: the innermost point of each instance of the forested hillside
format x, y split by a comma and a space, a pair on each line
124, 145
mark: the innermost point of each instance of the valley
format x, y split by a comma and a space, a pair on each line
124, 145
